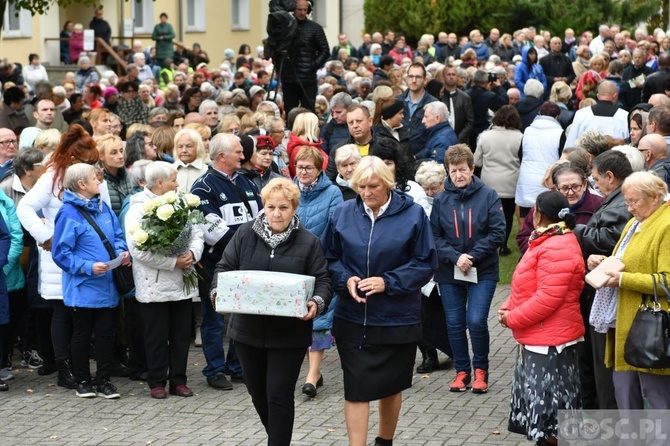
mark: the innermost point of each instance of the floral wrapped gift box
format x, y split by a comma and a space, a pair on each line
263, 292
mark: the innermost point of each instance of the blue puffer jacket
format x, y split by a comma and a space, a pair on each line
5, 243
527, 70
397, 246
467, 221
317, 205
481, 50
14, 274
76, 247
440, 137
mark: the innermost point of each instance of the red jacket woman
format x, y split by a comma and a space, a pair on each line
544, 301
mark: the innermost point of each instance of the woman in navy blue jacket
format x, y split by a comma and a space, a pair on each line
88, 285
468, 225
380, 253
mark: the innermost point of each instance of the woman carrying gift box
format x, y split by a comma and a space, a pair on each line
272, 348
380, 252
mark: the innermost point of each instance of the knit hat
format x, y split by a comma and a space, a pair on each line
229, 53
253, 91
248, 144
109, 91
392, 109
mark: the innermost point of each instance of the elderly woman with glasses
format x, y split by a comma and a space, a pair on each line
318, 199
257, 165
571, 180
190, 101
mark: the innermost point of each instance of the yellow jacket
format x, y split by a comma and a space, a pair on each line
648, 252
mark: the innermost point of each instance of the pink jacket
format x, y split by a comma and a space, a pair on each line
76, 45
544, 302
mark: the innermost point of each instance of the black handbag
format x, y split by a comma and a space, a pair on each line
647, 344
123, 275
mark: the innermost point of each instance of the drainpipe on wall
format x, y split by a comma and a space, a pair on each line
181, 20
341, 21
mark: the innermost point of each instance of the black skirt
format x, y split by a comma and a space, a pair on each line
372, 369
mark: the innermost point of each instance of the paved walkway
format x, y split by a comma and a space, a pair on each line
37, 412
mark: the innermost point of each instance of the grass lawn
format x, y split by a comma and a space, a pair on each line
508, 263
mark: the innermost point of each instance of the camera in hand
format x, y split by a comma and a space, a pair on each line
492, 77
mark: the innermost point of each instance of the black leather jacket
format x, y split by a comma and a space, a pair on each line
307, 53
602, 232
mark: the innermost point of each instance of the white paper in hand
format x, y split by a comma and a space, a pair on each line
470, 277
115, 262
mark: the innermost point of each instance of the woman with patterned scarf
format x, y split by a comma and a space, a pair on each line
272, 348
131, 109
543, 313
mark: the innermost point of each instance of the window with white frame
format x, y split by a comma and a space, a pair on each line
195, 15
240, 14
17, 25
143, 17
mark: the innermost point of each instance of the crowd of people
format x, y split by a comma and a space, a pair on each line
392, 175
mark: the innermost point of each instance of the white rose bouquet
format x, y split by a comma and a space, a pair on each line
165, 228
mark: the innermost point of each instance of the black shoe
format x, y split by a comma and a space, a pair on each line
237, 378
107, 390
3, 387
144, 376
85, 390
505, 251
309, 390
428, 365
319, 383
219, 382
65, 376
120, 370
47, 369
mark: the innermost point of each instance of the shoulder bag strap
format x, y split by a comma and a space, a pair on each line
103, 237
663, 283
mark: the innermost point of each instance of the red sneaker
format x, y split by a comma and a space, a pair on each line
481, 382
460, 383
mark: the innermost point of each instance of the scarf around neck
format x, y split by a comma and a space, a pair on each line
264, 231
553, 229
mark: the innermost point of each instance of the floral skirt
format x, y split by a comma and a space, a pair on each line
543, 385
321, 340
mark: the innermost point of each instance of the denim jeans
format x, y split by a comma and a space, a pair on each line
211, 331
467, 306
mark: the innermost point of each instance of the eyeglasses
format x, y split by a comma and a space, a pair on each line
305, 168
573, 188
633, 203
8, 142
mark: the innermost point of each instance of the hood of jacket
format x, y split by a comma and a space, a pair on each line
528, 104
295, 140
93, 205
545, 123
467, 191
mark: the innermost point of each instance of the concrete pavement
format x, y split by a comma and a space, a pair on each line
37, 412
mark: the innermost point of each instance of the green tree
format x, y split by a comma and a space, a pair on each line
40, 6
416, 17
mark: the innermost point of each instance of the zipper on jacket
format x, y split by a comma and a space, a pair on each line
456, 223
367, 267
469, 222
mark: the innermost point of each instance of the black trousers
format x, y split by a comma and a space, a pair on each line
98, 321
585, 354
603, 375
137, 359
270, 375
61, 330
42, 320
294, 95
18, 308
508, 206
167, 338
